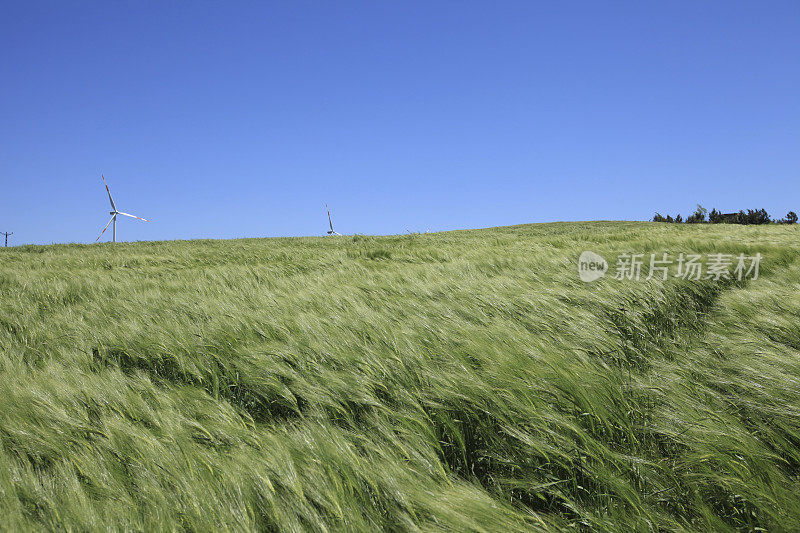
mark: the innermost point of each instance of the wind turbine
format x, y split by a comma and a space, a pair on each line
330, 223
114, 214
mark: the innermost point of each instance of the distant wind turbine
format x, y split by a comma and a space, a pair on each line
114, 214
330, 222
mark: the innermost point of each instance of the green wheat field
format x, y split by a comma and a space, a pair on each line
458, 381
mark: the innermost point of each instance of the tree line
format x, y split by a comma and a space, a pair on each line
751, 216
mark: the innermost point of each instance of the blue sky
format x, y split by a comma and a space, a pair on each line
241, 119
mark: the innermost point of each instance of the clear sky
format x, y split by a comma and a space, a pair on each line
241, 119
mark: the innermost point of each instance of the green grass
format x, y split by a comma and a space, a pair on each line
461, 381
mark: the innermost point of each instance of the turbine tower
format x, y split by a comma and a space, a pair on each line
330, 223
114, 214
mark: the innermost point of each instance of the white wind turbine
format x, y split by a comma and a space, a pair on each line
330, 223
114, 214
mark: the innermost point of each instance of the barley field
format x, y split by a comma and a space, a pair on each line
457, 381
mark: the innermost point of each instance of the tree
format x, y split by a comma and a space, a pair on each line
699, 216
751, 216
757, 216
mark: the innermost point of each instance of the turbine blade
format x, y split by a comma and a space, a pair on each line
330, 222
132, 216
109, 193
105, 228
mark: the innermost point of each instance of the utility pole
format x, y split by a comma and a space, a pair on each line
6, 234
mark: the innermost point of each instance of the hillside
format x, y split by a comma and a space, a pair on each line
459, 381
